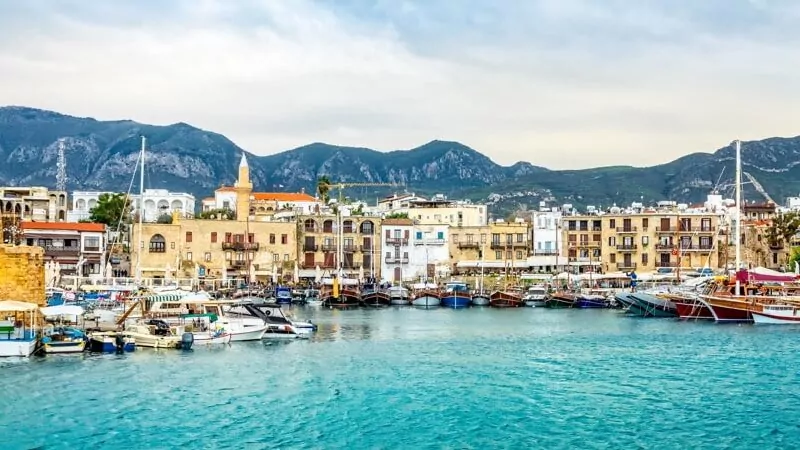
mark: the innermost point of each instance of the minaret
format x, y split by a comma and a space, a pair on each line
243, 188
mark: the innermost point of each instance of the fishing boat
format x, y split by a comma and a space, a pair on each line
480, 299
508, 298
372, 296
111, 342
64, 340
456, 295
283, 295
426, 295
586, 301
398, 295
560, 300
535, 296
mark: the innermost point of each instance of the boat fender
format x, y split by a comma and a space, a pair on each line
266, 313
287, 328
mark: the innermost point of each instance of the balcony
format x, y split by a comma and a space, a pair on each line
349, 248
329, 247
584, 244
627, 230
496, 245
626, 265
430, 242
697, 248
240, 246
597, 228
310, 247
666, 264
396, 260
627, 247
545, 253
237, 264
665, 246
62, 249
469, 245
367, 249
396, 241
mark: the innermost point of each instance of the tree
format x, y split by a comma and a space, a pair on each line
782, 229
222, 213
396, 215
794, 259
112, 210
323, 188
164, 219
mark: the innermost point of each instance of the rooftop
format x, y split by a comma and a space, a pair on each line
64, 226
283, 196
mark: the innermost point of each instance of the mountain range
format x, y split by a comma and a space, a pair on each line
102, 155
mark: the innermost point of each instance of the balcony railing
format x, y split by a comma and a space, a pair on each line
429, 242
91, 248
666, 264
396, 241
698, 248
626, 265
240, 246
597, 228
584, 244
545, 252
627, 230
328, 247
367, 248
349, 248
310, 247
62, 249
237, 264
665, 246
396, 260
471, 244
627, 247
496, 245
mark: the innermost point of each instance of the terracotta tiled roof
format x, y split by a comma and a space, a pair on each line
224, 188
283, 196
64, 226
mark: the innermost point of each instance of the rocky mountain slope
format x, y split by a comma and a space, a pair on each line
101, 155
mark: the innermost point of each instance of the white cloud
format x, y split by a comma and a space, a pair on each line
558, 83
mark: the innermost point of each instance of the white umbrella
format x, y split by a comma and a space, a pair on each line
167, 273
296, 277
224, 271
274, 273
57, 274
361, 273
48, 273
109, 271
252, 273
318, 275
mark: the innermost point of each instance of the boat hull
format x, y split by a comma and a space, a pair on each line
559, 302
376, 299
427, 300
726, 311
765, 318
456, 301
481, 300
108, 344
397, 301
693, 310
23, 348
77, 346
505, 300
251, 334
647, 306
589, 303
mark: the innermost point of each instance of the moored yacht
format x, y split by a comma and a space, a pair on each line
535, 296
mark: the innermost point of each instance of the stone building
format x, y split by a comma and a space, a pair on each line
22, 274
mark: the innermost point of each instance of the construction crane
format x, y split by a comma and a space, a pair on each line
340, 186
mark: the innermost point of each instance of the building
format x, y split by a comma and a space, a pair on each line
319, 238
22, 275
435, 211
262, 205
157, 202
32, 203
759, 211
215, 249
398, 244
430, 256
642, 240
547, 253
79, 248
495, 247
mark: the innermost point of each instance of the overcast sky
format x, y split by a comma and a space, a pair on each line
559, 83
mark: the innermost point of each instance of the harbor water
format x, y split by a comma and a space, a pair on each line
409, 378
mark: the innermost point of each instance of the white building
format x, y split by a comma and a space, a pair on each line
546, 247
157, 202
413, 252
264, 203
397, 245
436, 210
431, 254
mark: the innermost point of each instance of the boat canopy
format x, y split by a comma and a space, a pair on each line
15, 306
762, 274
62, 310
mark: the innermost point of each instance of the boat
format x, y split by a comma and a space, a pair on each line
283, 295
273, 318
691, 308
155, 333
507, 298
371, 296
585, 301
480, 299
211, 337
456, 295
426, 295
64, 340
21, 328
649, 305
535, 296
752, 292
777, 315
398, 295
111, 342
560, 300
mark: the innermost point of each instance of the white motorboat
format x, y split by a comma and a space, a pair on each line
536, 296
777, 315
158, 334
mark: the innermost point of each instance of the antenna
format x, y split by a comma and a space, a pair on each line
61, 167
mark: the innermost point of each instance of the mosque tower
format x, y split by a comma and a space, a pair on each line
243, 188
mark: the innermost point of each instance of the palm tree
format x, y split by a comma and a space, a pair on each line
323, 188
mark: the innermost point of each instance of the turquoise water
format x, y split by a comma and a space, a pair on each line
408, 378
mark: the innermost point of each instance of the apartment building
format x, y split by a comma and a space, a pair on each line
498, 245
79, 248
318, 243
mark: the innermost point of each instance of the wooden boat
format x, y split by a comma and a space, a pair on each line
64, 340
348, 297
691, 308
727, 305
481, 299
371, 296
560, 300
456, 295
426, 295
509, 298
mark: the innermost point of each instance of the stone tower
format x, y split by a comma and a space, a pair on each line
243, 188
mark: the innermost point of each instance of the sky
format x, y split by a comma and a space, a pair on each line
558, 83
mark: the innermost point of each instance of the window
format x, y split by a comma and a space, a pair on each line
228, 256
172, 245
645, 223
612, 258
419, 235
645, 240
285, 256
496, 238
188, 256
612, 223
188, 237
440, 235
498, 254
519, 254
509, 254
284, 239
470, 238
271, 238
207, 257
455, 239
214, 237
644, 259
227, 237
252, 256
276, 257
251, 238
91, 243
483, 238
158, 244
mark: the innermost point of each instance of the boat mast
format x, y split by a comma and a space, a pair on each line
738, 211
483, 260
141, 214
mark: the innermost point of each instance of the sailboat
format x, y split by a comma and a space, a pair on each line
481, 298
343, 292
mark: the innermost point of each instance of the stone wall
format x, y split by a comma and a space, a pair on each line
22, 274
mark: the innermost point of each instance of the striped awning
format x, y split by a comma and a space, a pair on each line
164, 298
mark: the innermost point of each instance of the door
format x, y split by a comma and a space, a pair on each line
398, 275
664, 224
308, 260
627, 261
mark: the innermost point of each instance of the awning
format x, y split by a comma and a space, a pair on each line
14, 306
